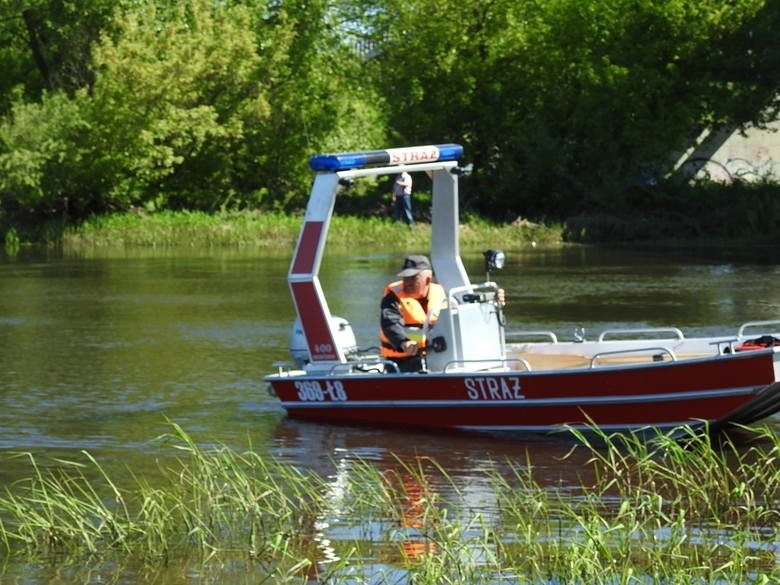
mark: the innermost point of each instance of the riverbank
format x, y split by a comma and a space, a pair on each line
261, 229
276, 230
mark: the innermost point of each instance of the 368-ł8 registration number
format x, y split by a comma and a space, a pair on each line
316, 391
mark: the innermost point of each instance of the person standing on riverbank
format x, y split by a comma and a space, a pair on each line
402, 198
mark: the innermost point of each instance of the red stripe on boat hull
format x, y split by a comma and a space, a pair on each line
626, 397
502, 417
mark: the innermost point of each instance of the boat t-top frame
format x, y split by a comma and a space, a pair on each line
440, 162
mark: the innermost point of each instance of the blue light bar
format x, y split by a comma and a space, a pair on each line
391, 156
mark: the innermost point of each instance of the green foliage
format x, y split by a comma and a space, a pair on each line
193, 105
174, 97
216, 500
566, 107
742, 213
185, 228
46, 44
41, 162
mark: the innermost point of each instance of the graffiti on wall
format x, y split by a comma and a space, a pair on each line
761, 167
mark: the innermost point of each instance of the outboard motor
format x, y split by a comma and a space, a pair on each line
344, 336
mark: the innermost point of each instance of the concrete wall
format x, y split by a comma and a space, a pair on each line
727, 155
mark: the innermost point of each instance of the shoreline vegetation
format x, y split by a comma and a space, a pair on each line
279, 230
275, 230
679, 508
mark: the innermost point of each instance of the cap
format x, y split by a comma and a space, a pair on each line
414, 264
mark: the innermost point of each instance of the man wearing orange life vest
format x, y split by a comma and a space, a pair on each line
404, 308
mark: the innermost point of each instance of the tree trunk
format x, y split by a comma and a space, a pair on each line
34, 41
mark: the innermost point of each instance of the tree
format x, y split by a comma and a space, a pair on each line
321, 99
46, 44
193, 104
41, 156
567, 105
564, 106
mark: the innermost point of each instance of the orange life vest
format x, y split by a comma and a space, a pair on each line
413, 315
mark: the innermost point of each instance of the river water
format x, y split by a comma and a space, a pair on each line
100, 351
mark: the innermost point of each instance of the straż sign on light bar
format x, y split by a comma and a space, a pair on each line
391, 156
413, 154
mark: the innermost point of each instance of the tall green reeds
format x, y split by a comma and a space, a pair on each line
669, 509
674, 508
212, 501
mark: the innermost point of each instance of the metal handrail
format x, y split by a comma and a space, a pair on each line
549, 334
504, 362
674, 330
370, 362
471, 288
622, 351
741, 332
284, 367
725, 346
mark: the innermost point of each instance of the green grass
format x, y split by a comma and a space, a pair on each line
183, 229
214, 500
657, 511
279, 231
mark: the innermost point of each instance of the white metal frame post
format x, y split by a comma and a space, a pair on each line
303, 280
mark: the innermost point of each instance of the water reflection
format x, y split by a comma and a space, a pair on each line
447, 490
465, 456
449, 471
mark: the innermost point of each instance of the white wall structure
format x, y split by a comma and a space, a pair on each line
729, 155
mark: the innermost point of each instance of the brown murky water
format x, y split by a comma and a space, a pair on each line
99, 351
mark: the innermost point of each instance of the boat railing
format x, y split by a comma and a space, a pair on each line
489, 363
677, 333
725, 346
741, 333
364, 366
471, 293
285, 368
514, 335
657, 352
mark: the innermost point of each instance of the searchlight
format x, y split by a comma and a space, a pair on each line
494, 260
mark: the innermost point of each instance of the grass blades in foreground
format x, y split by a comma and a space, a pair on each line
656, 510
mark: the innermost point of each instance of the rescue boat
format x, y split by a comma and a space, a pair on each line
474, 379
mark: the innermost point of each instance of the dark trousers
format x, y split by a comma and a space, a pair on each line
410, 364
403, 209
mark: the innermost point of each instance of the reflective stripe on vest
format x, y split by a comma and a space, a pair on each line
413, 316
